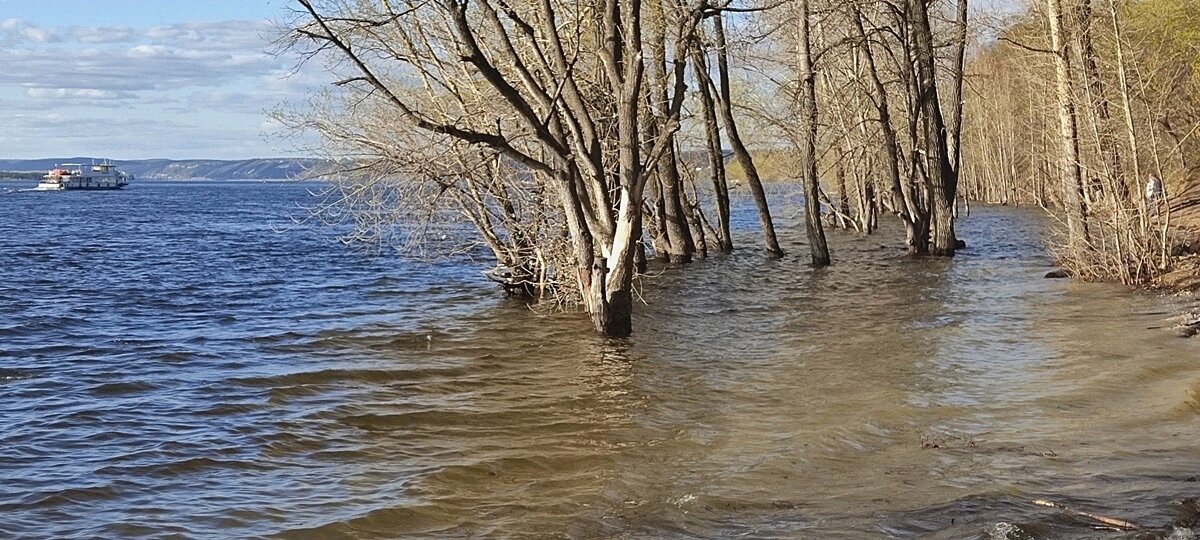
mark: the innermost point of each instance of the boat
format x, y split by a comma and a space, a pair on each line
76, 176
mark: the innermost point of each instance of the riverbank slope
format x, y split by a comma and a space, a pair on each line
1185, 219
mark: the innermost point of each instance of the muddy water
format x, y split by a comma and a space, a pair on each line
201, 374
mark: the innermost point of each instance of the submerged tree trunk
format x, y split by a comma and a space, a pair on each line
716, 157
954, 137
658, 224
679, 239
735, 140
808, 147
904, 201
612, 301
679, 244
941, 175
917, 185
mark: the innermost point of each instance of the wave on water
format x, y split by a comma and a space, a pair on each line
172, 365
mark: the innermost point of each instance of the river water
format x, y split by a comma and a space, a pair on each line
175, 360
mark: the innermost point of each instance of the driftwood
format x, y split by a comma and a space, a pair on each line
1111, 522
836, 216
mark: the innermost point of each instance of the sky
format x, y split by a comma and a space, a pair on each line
137, 79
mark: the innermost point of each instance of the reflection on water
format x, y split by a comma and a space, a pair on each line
199, 374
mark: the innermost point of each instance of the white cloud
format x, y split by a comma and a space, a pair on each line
129, 137
138, 67
223, 100
213, 80
147, 51
173, 33
223, 35
88, 94
289, 82
84, 131
40, 35
95, 34
15, 31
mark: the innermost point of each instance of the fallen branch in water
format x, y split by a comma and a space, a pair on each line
1113, 522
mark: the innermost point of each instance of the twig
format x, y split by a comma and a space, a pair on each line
1112, 522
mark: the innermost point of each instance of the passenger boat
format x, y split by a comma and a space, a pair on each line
77, 176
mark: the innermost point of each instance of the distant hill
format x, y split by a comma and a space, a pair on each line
188, 169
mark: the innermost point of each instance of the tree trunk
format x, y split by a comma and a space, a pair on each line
1072, 174
696, 224
808, 149
680, 237
954, 137
904, 201
716, 157
1127, 105
735, 140
657, 213
674, 220
640, 264
612, 301
916, 186
1106, 139
941, 176
843, 197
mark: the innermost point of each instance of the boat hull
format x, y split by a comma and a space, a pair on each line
59, 187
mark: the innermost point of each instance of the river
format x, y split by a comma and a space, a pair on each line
178, 359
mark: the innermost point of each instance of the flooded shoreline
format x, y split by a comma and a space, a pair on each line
229, 380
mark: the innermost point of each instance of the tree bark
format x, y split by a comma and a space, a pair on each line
916, 186
1123, 82
940, 174
1106, 139
956, 89
716, 157
904, 201
674, 219
1072, 174
658, 224
818, 248
735, 140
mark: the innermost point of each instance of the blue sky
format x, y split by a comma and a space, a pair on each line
132, 79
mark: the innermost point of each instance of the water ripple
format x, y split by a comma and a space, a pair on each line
190, 372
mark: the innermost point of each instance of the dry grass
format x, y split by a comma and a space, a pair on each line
773, 166
1138, 246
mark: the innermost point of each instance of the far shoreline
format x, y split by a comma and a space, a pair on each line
193, 180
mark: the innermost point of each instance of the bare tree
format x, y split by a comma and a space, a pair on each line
905, 200
713, 148
941, 175
566, 87
1072, 177
724, 98
808, 150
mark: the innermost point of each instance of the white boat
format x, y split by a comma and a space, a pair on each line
77, 176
